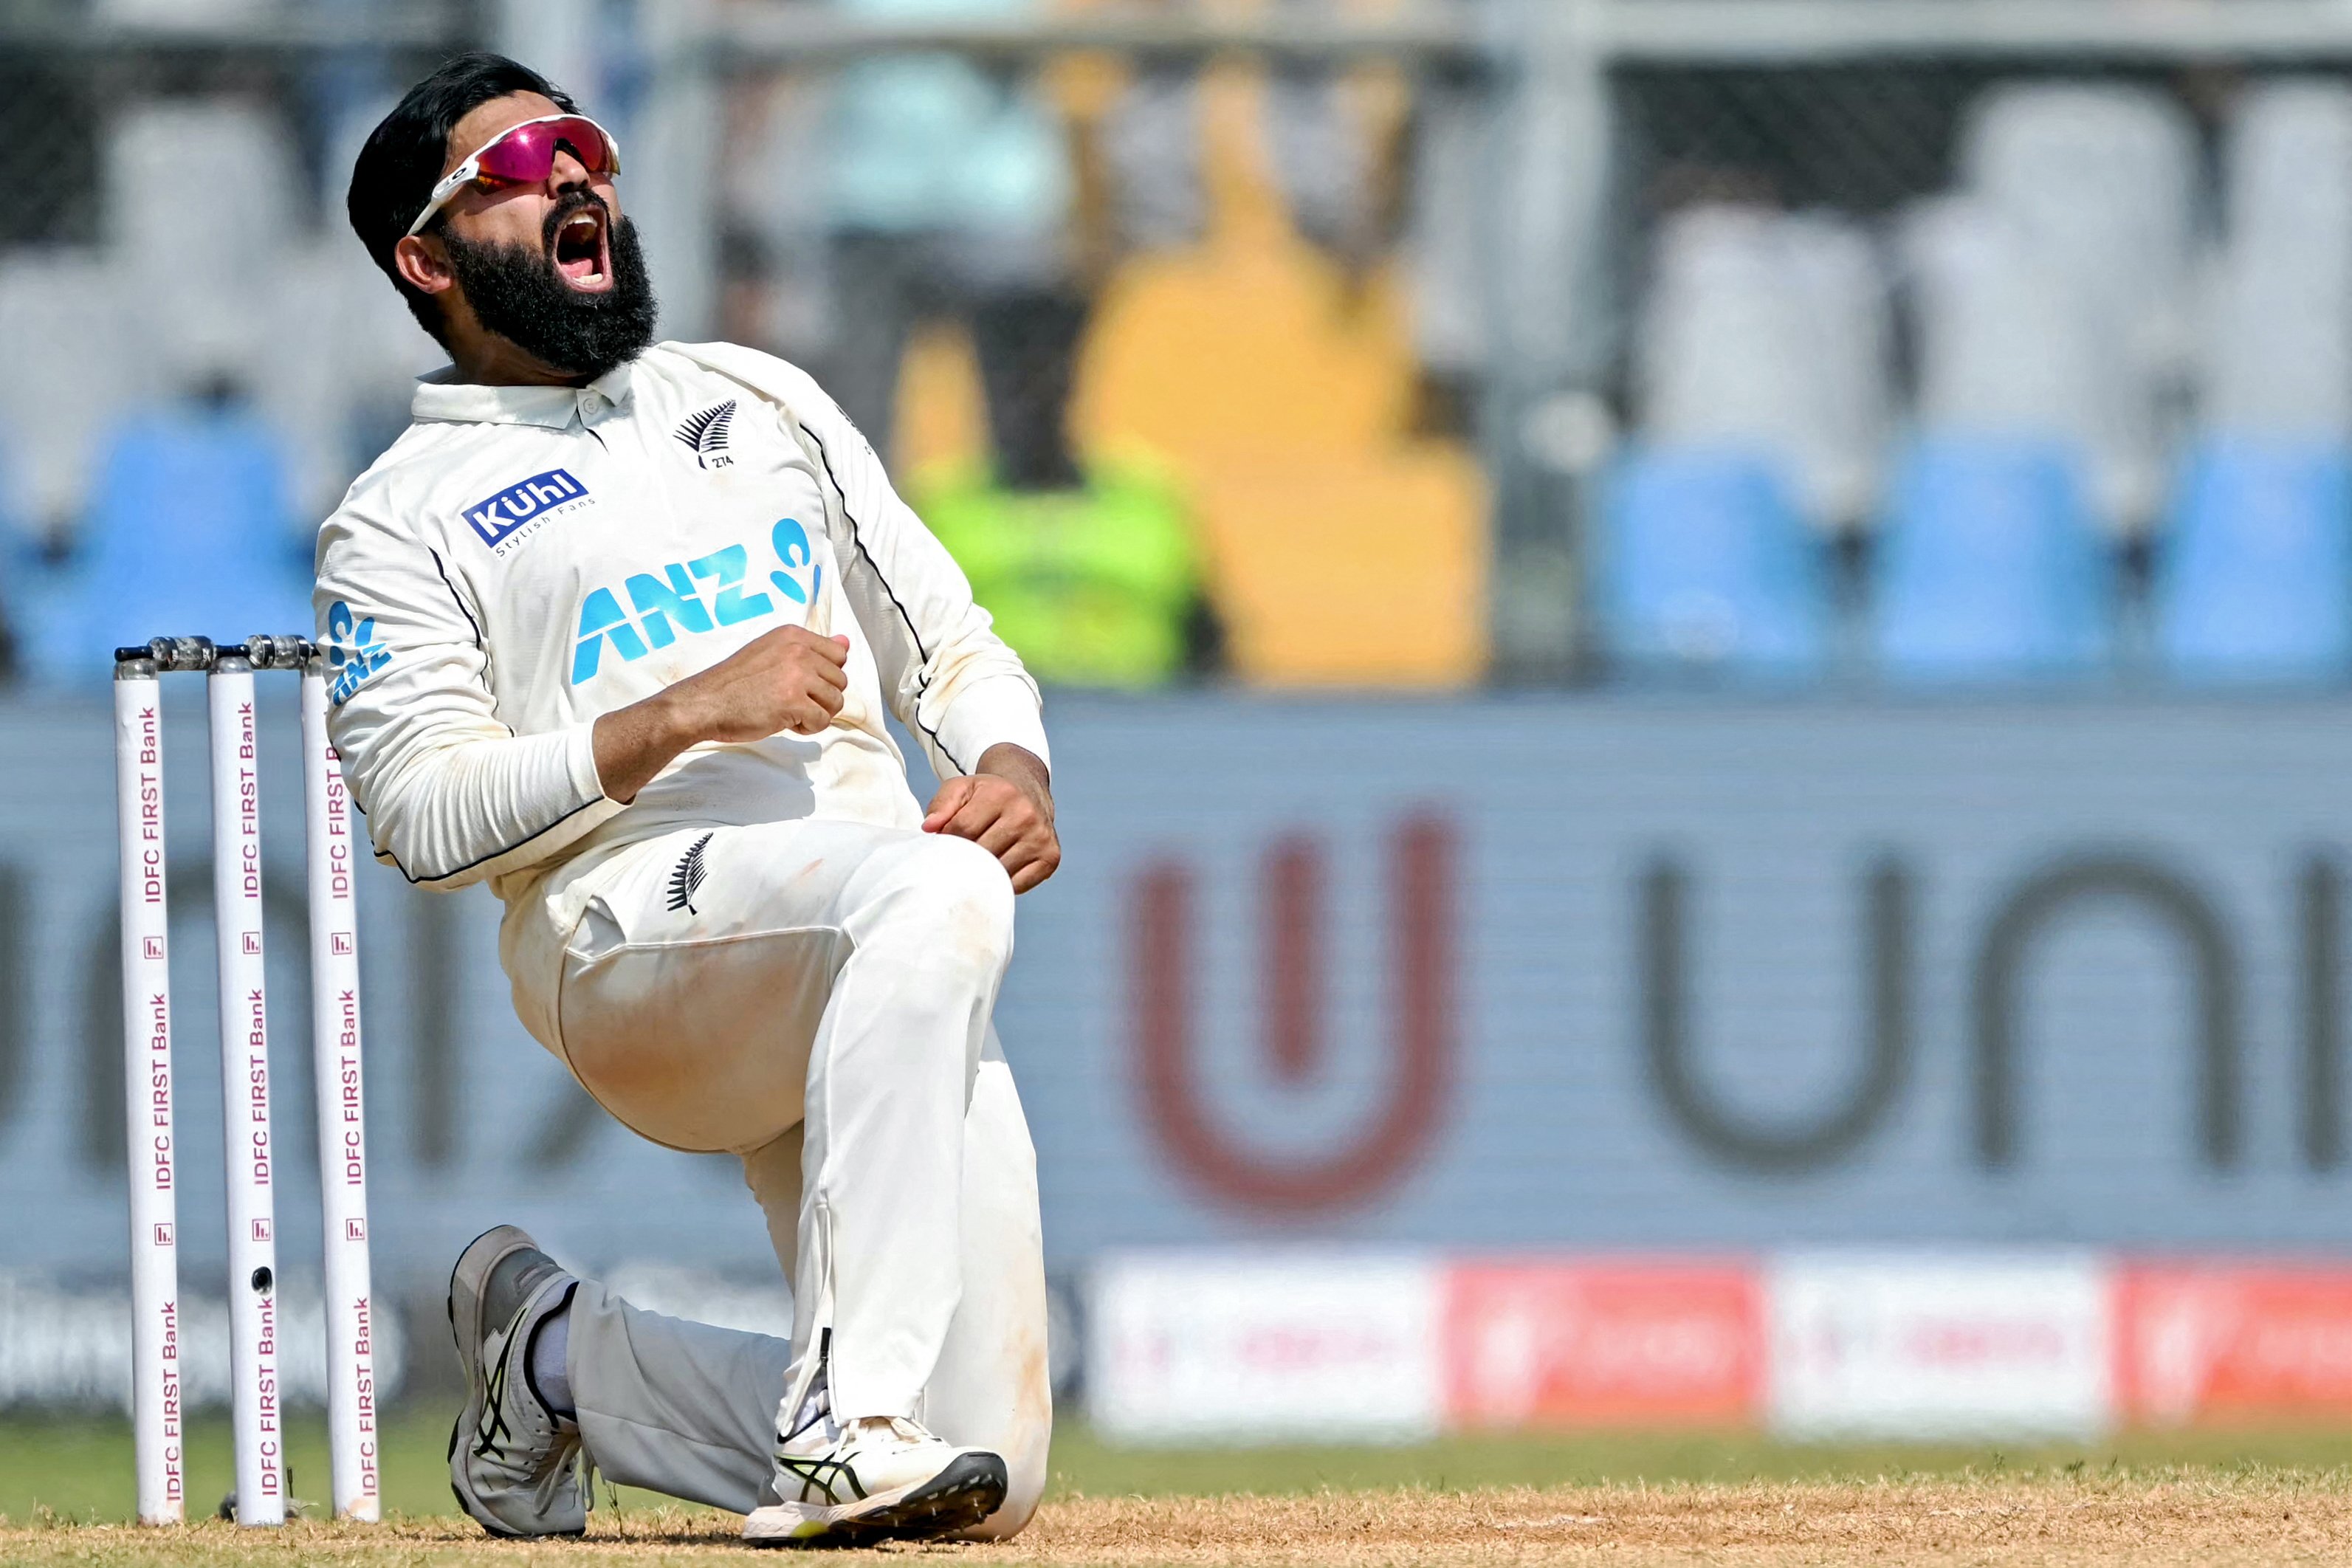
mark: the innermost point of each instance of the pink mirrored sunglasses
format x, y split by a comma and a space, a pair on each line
524, 154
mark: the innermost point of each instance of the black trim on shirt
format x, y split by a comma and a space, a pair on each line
857, 538
393, 860
460, 598
481, 645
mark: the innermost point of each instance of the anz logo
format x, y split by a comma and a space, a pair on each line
665, 604
514, 514
353, 652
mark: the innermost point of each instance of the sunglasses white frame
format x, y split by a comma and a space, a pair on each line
466, 173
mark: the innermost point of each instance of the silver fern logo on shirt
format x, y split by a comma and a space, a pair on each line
705, 434
686, 880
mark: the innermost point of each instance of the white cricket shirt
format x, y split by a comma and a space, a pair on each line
525, 559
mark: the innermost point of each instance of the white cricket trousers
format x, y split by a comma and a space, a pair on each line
814, 997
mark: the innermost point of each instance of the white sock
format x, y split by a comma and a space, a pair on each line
815, 1410
550, 1343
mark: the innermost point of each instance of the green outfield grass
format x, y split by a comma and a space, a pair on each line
80, 1469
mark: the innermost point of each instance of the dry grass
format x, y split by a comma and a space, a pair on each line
2054, 1516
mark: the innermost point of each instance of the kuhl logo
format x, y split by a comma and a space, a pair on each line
497, 519
705, 434
353, 652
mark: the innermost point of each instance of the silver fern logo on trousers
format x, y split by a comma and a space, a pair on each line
686, 880
705, 434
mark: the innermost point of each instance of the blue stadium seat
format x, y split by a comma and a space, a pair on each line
1989, 567
2255, 582
188, 532
1705, 565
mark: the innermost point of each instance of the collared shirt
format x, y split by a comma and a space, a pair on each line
525, 559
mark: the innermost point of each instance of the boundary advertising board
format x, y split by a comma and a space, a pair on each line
1487, 977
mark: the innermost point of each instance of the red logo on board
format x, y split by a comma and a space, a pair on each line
1604, 1342
1165, 982
2234, 1343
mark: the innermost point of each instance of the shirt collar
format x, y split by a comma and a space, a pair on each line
440, 395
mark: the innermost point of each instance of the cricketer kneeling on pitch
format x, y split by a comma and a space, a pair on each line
615, 626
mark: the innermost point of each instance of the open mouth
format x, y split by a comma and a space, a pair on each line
581, 251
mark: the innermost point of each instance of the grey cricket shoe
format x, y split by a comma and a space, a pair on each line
515, 1465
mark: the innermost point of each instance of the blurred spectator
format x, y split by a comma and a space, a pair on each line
949, 192
205, 269
953, 192
1088, 565
1093, 586
187, 532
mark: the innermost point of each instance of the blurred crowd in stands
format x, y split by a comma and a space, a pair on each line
187, 397
190, 386
2086, 412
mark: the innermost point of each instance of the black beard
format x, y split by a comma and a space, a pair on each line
518, 294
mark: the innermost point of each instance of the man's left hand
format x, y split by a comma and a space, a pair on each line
1007, 809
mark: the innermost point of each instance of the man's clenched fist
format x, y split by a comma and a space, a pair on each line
792, 681
1007, 809
789, 680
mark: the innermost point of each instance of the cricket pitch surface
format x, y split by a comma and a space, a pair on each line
2187, 1514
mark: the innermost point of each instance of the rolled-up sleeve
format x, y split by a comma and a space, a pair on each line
451, 794
947, 675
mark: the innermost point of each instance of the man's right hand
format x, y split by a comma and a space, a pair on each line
789, 680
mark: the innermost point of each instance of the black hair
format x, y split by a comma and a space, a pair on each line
396, 169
